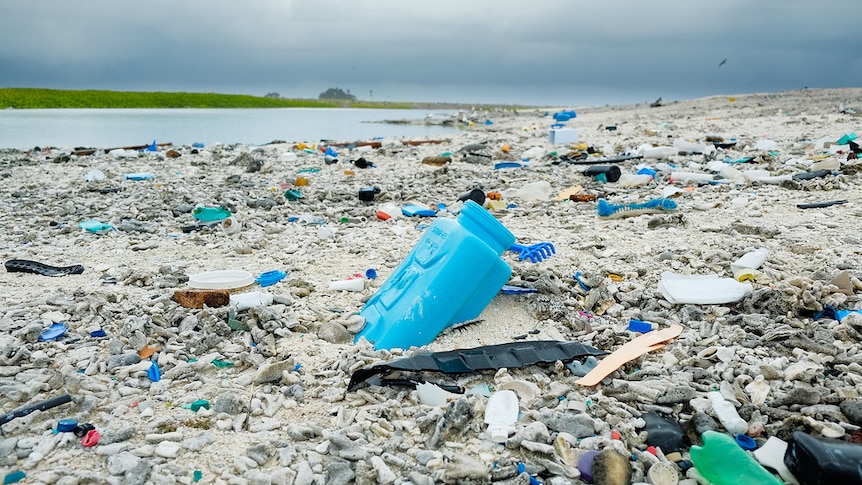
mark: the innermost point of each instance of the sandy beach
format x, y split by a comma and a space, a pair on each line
275, 377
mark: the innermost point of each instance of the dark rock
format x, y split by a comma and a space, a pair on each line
129, 358
578, 425
338, 471
228, 403
852, 408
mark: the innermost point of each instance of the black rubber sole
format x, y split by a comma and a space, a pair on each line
27, 266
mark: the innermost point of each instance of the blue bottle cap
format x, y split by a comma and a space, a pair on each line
54, 331
66, 425
371, 273
269, 278
745, 442
98, 333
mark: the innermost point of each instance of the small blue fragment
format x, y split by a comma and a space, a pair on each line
154, 373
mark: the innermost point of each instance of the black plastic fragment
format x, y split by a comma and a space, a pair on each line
27, 266
812, 175
492, 357
816, 460
818, 205
39, 406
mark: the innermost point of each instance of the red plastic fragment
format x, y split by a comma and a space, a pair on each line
91, 438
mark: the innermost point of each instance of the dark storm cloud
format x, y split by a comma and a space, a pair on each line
471, 50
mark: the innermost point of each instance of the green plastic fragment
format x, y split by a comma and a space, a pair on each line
844, 140
209, 214
221, 364
309, 170
200, 403
292, 194
446, 154
197, 475
14, 477
235, 324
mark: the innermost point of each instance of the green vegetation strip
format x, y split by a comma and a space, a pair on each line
35, 98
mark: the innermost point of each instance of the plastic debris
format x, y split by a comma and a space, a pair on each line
628, 352
701, 289
53, 332
656, 206
510, 355
534, 252
40, 406
210, 214
154, 373
269, 278
95, 226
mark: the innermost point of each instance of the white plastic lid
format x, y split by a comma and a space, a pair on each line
225, 279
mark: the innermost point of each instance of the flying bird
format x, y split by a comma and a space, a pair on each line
722, 63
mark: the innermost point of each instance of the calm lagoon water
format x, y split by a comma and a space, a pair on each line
108, 128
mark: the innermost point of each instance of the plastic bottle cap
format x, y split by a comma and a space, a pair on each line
269, 278
745, 442
66, 425
499, 432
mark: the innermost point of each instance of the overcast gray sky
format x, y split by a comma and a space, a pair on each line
560, 52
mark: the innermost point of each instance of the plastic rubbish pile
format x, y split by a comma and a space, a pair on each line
545, 298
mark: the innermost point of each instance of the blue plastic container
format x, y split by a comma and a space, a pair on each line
450, 276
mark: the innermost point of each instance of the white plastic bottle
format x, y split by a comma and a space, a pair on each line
658, 152
726, 413
501, 413
691, 176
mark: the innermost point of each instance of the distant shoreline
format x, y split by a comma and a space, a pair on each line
38, 98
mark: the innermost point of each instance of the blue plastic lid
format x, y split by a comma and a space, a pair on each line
269, 278
371, 273
53, 332
66, 425
745, 442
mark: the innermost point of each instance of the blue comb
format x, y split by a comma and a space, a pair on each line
655, 206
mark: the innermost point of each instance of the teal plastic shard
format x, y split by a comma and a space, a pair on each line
450, 276
721, 461
95, 226
846, 139
209, 214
